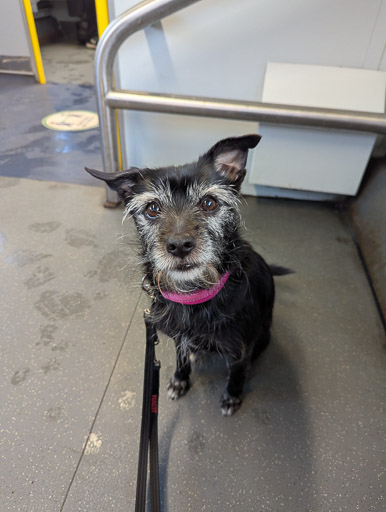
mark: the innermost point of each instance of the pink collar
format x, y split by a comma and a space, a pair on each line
198, 296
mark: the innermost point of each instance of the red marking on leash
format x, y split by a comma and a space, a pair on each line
154, 404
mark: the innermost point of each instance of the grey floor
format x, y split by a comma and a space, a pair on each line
68, 62
310, 434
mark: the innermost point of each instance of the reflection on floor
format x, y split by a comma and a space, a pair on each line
29, 150
310, 433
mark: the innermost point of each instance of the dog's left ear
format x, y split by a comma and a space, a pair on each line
122, 182
229, 156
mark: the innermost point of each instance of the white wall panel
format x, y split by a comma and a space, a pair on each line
13, 36
311, 159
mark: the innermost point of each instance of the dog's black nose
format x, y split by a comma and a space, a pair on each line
180, 246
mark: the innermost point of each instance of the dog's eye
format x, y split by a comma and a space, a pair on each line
208, 204
152, 210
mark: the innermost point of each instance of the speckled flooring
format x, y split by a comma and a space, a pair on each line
68, 62
310, 434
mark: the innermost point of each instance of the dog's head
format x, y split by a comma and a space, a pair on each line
187, 217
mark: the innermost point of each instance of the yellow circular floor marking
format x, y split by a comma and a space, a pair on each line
71, 120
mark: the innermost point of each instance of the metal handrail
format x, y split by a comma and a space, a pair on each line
248, 111
108, 99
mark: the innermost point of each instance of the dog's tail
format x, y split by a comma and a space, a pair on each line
276, 270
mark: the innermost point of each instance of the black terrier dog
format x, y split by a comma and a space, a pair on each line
212, 291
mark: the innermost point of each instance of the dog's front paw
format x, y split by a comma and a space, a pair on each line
229, 404
177, 388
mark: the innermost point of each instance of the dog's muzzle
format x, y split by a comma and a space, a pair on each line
180, 246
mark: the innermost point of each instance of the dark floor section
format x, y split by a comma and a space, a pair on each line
28, 149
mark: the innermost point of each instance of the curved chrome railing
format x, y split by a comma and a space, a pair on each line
109, 99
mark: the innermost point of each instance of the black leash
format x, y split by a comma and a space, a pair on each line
149, 425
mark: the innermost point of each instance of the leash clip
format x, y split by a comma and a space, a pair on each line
146, 315
147, 287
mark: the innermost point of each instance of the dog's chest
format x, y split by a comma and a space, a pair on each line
197, 327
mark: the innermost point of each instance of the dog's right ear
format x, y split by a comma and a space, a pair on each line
229, 157
122, 182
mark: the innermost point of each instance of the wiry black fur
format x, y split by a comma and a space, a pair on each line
236, 322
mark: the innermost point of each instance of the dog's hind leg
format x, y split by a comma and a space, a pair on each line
261, 342
179, 383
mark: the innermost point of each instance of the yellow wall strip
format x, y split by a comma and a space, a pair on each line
34, 41
102, 13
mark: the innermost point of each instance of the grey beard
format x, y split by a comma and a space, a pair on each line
206, 279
